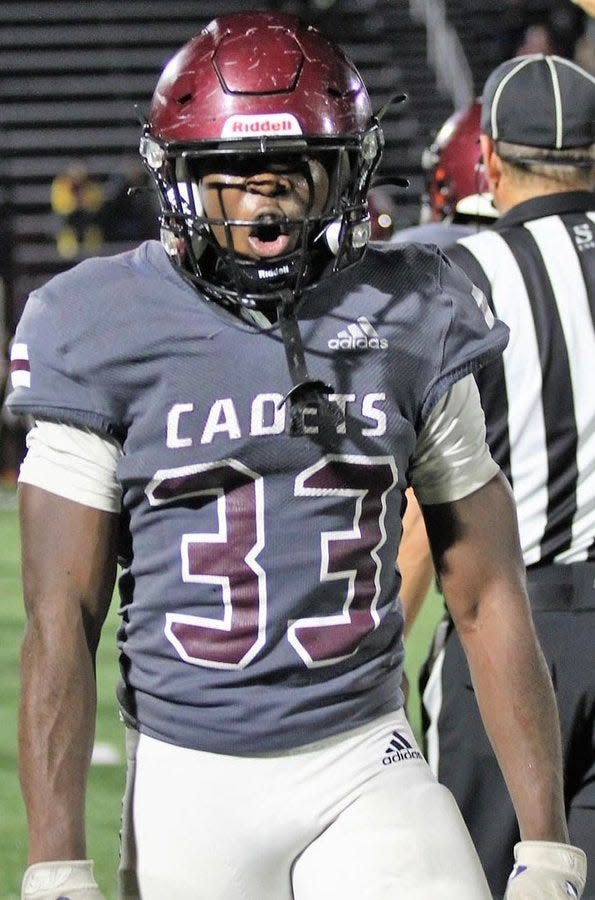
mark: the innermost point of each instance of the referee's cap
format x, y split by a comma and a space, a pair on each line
540, 100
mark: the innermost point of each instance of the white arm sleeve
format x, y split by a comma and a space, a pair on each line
74, 463
452, 458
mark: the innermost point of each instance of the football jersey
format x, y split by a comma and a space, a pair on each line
259, 592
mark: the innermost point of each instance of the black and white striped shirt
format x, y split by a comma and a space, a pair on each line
536, 265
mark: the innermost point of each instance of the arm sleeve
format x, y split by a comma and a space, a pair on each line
451, 458
74, 463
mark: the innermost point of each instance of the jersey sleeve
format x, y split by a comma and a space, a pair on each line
472, 336
61, 361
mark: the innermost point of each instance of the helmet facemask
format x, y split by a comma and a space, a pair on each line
323, 241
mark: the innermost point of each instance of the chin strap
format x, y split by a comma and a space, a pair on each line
306, 392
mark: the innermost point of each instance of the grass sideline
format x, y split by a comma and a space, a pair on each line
105, 781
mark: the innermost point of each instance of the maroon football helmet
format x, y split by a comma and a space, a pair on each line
456, 185
261, 85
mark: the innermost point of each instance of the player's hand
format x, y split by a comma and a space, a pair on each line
63, 880
545, 870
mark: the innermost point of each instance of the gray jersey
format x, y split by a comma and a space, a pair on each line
442, 234
259, 594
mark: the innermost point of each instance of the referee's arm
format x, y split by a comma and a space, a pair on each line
476, 551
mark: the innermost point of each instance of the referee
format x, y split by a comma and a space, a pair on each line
536, 266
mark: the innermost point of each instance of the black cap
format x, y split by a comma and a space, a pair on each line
540, 101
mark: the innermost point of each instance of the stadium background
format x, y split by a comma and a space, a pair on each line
75, 80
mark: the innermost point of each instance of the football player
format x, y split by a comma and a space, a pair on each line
456, 200
235, 413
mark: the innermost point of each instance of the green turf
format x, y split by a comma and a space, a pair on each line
416, 650
106, 782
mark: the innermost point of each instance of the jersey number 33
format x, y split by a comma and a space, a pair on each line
350, 556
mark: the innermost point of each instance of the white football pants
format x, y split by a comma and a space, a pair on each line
356, 817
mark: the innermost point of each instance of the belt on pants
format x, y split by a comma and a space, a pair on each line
559, 588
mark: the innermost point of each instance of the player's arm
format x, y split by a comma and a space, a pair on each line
69, 565
414, 562
451, 460
478, 558
471, 523
477, 555
69, 507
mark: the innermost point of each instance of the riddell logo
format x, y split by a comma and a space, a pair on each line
399, 750
273, 273
275, 123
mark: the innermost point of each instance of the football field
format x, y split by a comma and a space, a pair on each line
107, 773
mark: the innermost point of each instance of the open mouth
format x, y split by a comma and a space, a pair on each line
269, 236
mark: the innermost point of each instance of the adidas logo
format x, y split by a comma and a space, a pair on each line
360, 335
399, 750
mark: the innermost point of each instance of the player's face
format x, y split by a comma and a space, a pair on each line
270, 195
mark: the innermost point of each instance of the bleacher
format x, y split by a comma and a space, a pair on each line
478, 24
489, 32
77, 77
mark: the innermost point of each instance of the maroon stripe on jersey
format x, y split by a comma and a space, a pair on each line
22, 365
